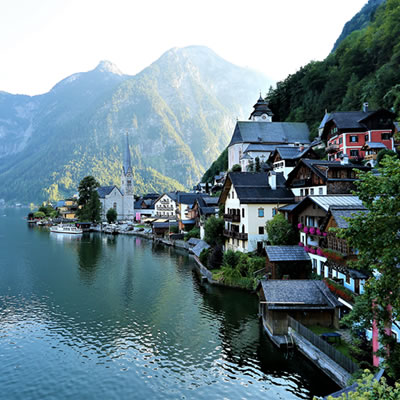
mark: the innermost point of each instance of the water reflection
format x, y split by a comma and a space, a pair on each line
135, 316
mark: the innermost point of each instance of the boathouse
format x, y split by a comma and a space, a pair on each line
307, 301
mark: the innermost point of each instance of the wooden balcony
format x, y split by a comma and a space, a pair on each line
369, 157
242, 236
235, 235
232, 218
228, 234
332, 148
302, 182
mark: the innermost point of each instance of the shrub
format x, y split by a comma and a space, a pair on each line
194, 233
204, 257
215, 257
280, 231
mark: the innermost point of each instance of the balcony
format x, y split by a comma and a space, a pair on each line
242, 236
302, 182
332, 148
369, 157
228, 234
231, 218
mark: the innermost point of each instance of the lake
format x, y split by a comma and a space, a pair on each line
101, 317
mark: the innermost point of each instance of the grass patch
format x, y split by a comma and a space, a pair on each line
242, 282
343, 346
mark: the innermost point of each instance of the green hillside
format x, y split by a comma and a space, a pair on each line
364, 68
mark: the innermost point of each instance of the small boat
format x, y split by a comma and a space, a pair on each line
71, 229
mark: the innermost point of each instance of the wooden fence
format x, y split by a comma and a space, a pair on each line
325, 347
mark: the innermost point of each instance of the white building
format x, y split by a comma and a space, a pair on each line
250, 200
259, 136
122, 200
166, 206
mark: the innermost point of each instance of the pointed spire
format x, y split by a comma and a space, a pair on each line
127, 157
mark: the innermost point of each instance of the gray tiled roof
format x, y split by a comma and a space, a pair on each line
270, 132
340, 213
260, 147
200, 247
162, 225
253, 187
302, 293
291, 152
193, 241
324, 120
104, 191
288, 207
349, 119
286, 253
328, 201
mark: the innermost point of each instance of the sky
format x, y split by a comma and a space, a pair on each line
44, 41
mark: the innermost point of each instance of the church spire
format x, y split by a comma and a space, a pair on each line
127, 157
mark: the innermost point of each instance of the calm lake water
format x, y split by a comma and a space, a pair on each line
98, 317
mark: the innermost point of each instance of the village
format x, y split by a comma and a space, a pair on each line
276, 177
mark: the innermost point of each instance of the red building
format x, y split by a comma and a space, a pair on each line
347, 132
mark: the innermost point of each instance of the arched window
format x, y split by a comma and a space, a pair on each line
115, 206
260, 212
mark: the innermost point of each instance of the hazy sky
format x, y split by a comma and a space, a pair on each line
44, 41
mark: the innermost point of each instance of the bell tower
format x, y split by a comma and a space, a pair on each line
127, 183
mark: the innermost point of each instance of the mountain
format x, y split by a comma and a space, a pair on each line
178, 112
364, 68
360, 21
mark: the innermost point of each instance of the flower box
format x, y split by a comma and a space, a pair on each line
312, 251
325, 234
301, 244
305, 230
312, 231
299, 226
320, 252
319, 233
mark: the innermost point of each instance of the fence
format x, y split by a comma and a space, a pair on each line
325, 347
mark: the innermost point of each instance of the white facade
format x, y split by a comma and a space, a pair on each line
312, 190
114, 200
280, 166
253, 218
165, 206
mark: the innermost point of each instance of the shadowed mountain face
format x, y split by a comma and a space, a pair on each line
178, 112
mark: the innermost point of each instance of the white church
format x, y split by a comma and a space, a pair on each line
122, 200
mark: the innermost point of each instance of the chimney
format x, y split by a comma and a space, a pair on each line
365, 107
301, 148
272, 180
345, 159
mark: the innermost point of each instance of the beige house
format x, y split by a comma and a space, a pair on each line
250, 200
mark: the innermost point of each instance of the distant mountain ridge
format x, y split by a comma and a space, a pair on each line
178, 113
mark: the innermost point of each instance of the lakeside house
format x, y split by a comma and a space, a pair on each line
144, 206
67, 208
321, 177
346, 132
203, 208
307, 301
166, 205
250, 199
314, 216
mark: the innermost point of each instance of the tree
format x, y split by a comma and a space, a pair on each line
369, 388
213, 231
236, 168
111, 215
280, 231
383, 153
257, 166
376, 236
89, 201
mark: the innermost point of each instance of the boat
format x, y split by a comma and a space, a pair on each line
71, 229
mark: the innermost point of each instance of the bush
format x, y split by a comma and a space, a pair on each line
174, 229
194, 233
204, 257
213, 231
231, 258
281, 232
215, 257
111, 215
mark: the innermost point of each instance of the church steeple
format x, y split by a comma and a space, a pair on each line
261, 111
127, 166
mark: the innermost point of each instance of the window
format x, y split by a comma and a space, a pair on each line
274, 212
314, 265
306, 192
366, 138
353, 153
385, 136
340, 140
242, 212
347, 278
115, 206
335, 173
229, 195
351, 174
261, 230
320, 191
353, 138
311, 191
310, 221
301, 192
260, 212
233, 194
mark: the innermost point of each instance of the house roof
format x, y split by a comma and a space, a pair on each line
292, 152
327, 201
161, 225
286, 253
339, 213
298, 293
200, 246
60, 203
188, 198
104, 191
324, 120
270, 132
288, 207
253, 187
375, 145
208, 210
254, 147
321, 167
193, 241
